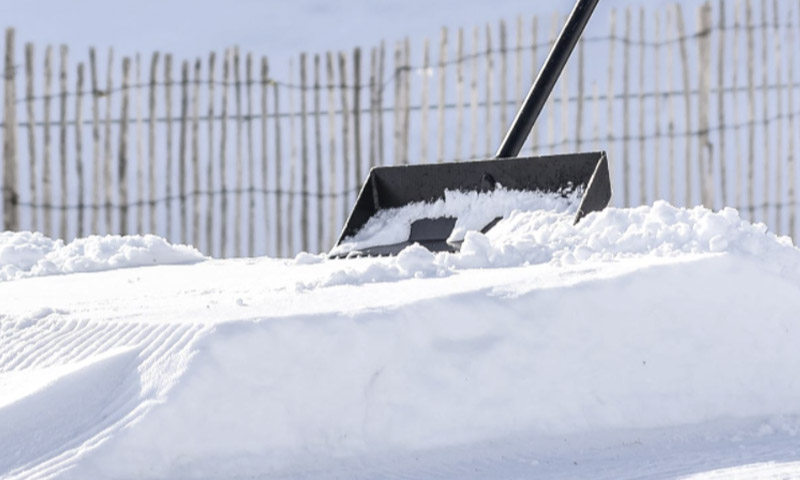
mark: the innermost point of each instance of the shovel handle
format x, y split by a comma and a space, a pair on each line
546, 80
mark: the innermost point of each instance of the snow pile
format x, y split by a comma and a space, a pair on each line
472, 211
549, 236
29, 254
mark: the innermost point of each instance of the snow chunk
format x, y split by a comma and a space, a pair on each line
31, 254
472, 210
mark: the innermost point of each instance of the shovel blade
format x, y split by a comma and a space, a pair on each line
397, 186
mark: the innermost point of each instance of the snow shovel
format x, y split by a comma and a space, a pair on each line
392, 187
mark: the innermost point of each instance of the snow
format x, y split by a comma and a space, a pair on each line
31, 254
654, 342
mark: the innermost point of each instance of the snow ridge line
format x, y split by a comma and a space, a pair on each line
159, 353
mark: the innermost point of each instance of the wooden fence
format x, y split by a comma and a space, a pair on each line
221, 153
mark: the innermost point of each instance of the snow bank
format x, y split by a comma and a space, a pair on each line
543, 236
29, 254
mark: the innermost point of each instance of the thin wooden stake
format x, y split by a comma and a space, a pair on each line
292, 189
687, 102
251, 161
626, 116
424, 128
406, 101
182, 152
610, 95
790, 161
534, 68
210, 201
779, 196
642, 156
489, 89
151, 144
358, 170
657, 110
196, 155
223, 147
722, 154
751, 112
373, 108
346, 133
333, 185
473, 96
705, 161
765, 105
29, 92
735, 87
321, 234
79, 150
459, 94
555, 25
381, 160
47, 184
62, 142
168, 119
398, 104
96, 165
671, 29
518, 60
237, 208
305, 189
123, 148
279, 217
581, 99
10, 192
503, 79
139, 151
270, 244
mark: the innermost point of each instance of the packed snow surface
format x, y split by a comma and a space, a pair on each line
652, 342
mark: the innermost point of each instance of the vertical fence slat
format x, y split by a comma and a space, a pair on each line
642, 157
304, 157
518, 62
182, 140
292, 188
47, 183
581, 99
264, 156
473, 96
704, 159
751, 112
687, 103
168, 119
790, 159
503, 79
321, 234
345, 108
108, 160
358, 170
237, 209
96, 165
381, 160
626, 116
151, 144
721, 150
779, 159
29, 92
140, 204
657, 110
555, 25
489, 87
406, 101
123, 148
765, 108
440, 152
373, 107
425, 103
595, 116
251, 167
534, 68
398, 103
614, 162
333, 186
79, 150
671, 30
459, 94
564, 84
278, 172
210, 201
223, 146
62, 142
10, 192
196, 155
735, 88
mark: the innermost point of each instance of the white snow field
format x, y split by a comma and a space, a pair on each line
653, 342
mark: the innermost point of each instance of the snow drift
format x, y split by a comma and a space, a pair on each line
633, 320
